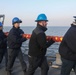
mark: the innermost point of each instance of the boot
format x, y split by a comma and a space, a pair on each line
8, 73
24, 72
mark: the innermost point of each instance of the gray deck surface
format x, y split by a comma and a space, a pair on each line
17, 70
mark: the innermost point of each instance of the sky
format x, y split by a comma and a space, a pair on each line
58, 12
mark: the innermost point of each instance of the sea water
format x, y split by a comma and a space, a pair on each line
52, 31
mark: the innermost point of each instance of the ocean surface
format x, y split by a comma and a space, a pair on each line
52, 31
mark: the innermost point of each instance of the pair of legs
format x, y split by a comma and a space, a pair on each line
35, 62
12, 54
74, 67
67, 66
3, 52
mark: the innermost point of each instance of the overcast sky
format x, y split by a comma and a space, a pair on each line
59, 12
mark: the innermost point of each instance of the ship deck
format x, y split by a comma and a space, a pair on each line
17, 70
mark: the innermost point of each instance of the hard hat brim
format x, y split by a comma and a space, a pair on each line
18, 22
41, 20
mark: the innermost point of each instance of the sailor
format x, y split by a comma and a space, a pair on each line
3, 46
67, 50
15, 40
38, 46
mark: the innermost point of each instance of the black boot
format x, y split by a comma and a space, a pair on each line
24, 72
8, 73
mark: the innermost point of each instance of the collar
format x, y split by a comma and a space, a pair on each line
41, 27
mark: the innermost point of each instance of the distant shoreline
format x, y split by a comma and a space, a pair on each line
35, 26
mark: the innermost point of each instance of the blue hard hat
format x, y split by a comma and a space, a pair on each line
16, 20
1, 24
41, 17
